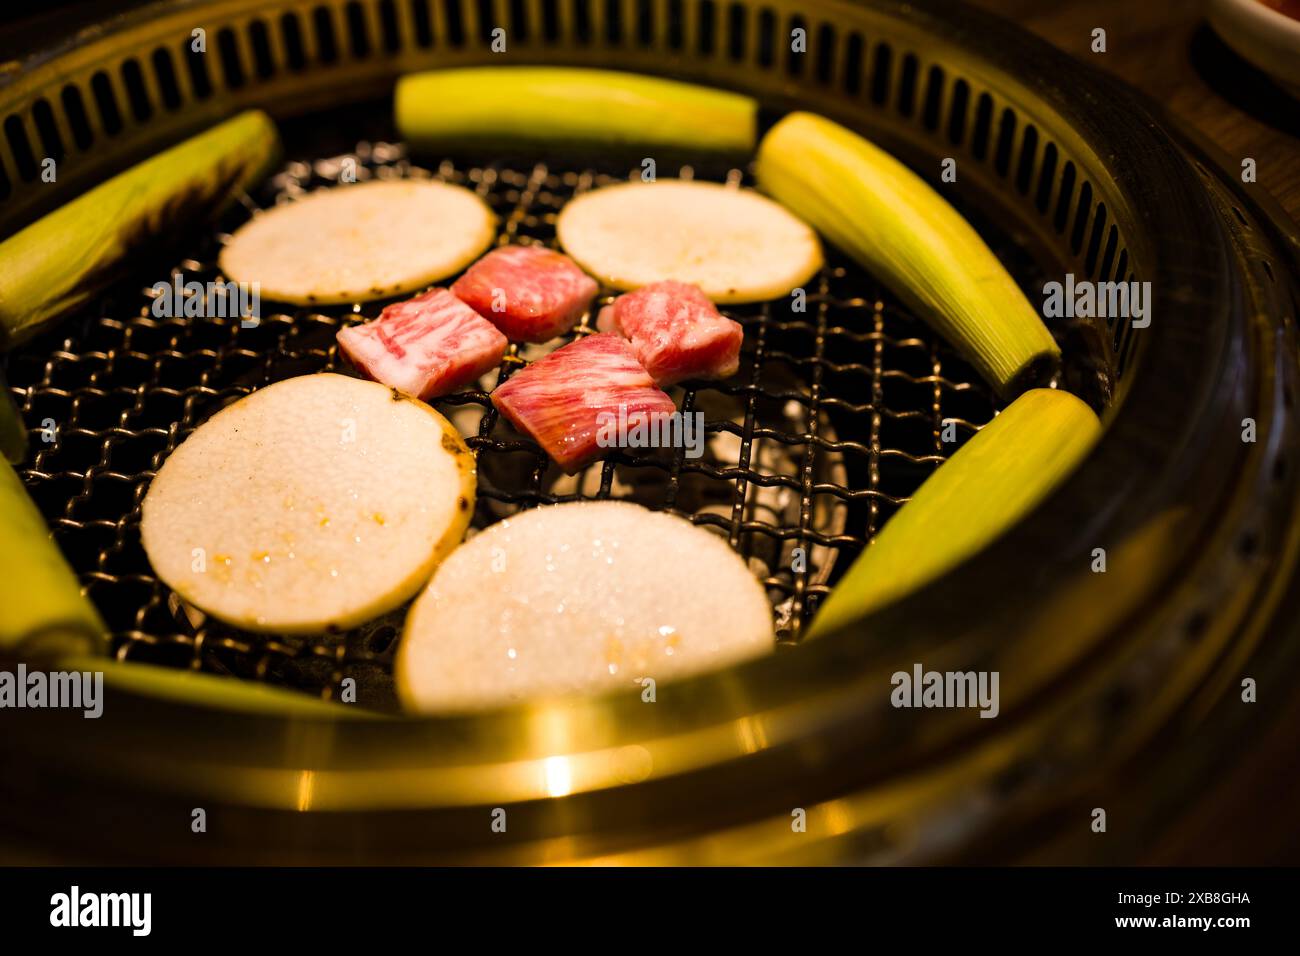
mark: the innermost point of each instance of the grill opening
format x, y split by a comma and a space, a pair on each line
833, 420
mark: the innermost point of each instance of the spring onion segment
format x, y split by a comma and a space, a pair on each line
557, 106
207, 690
360, 241
579, 598
988, 485
893, 224
314, 504
735, 244
42, 610
61, 261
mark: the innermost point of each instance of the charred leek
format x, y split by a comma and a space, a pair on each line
60, 261
42, 610
557, 106
892, 223
989, 484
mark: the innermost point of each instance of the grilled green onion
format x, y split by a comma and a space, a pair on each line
63, 259
13, 430
42, 610
209, 690
988, 485
893, 224
558, 106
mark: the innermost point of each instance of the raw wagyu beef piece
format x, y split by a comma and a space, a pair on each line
676, 332
529, 293
564, 400
426, 346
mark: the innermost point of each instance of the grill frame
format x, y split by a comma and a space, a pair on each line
803, 715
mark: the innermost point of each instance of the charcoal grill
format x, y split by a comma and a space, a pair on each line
835, 418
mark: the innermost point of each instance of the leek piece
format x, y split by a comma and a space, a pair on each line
560, 106
985, 487
62, 260
42, 609
902, 231
13, 430
209, 690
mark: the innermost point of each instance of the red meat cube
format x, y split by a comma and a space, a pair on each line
529, 293
426, 346
564, 400
676, 332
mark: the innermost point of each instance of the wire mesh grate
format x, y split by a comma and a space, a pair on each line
834, 418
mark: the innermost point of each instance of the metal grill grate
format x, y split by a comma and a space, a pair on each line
835, 417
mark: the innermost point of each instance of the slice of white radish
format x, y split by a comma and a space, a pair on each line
736, 245
313, 504
578, 598
358, 242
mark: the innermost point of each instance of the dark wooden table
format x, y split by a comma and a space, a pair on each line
1167, 49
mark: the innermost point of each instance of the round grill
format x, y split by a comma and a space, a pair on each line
834, 419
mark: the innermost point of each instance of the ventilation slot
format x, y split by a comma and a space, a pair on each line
231, 67
825, 54
736, 24
291, 31
766, 38
48, 130
1094, 240
485, 21
422, 21
20, 148
1006, 136
794, 62
1108, 258
1081, 216
358, 34
519, 27
957, 112
165, 74
853, 64
614, 22
880, 74
1046, 177
136, 95
582, 22
389, 31
259, 39
706, 39
676, 24
110, 117
645, 23
907, 86
933, 98
551, 21
1063, 199
327, 47
979, 146
1025, 167
75, 110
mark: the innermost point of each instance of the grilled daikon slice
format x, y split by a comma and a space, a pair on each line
313, 504
578, 598
736, 245
359, 242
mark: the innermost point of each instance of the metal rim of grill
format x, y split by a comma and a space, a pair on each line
926, 81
